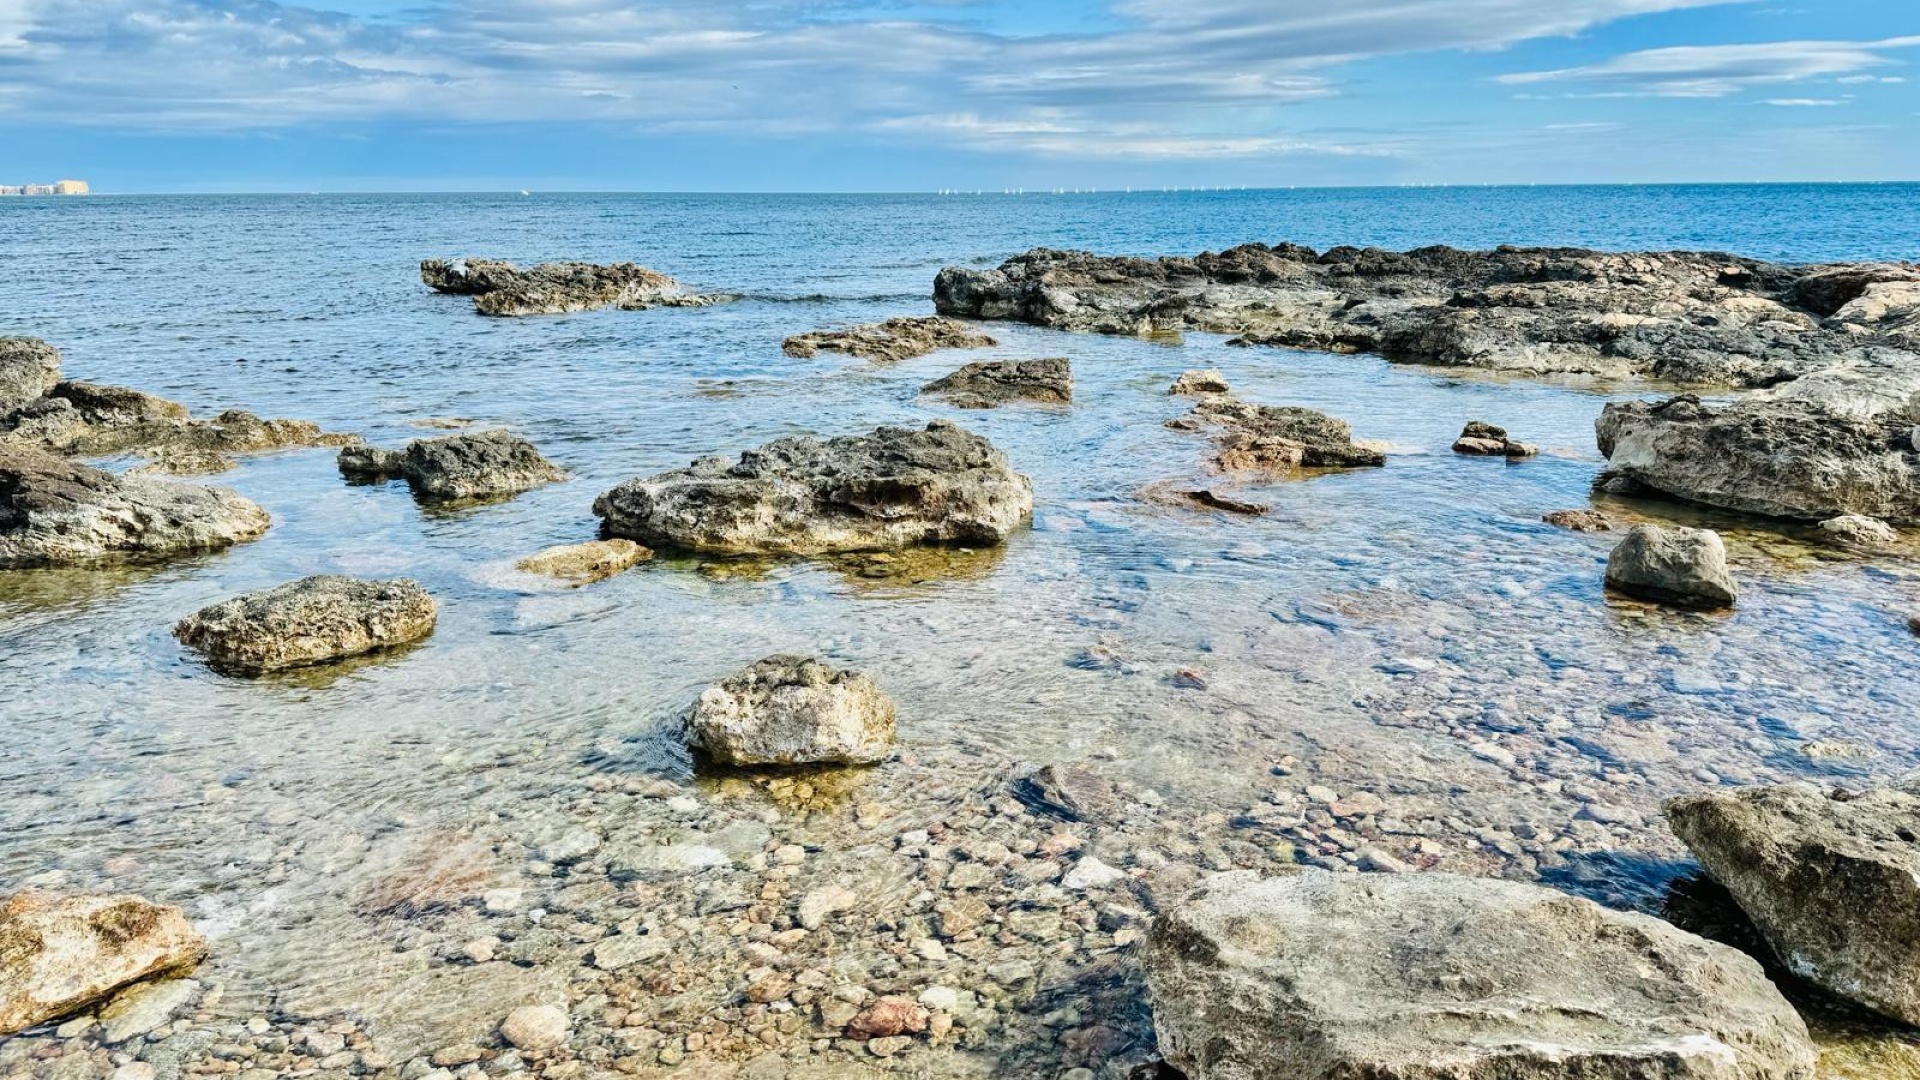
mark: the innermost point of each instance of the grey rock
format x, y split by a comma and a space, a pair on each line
1485, 440
315, 620
554, 288
1268, 439
1200, 381
480, 465
55, 512
793, 710
1859, 533
890, 341
144, 1008
626, 950
536, 1027
29, 368
995, 382
1678, 566
90, 420
61, 955
1072, 792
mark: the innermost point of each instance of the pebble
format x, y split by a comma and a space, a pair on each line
1090, 873
536, 1027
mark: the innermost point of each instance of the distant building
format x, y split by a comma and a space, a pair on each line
58, 187
69, 187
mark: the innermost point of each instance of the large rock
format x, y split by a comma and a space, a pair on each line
1831, 881
61, 955
891, 341
793, 710
29, 368
555, 288
315, 620
895, 487
55, 512
1678, 566
996, 382
479, 465
90, 420
1321, 976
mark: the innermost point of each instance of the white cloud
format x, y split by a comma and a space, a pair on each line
1720, 70
1804, 102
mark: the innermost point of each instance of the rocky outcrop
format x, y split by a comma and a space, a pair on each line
1200, 381
1322, 976
894, 487
1485, 440
55, 512
891, 341
996, 382
794, 710
1276, 439
1678, 566
1683, 316
1831, 880
556, 288
29, 368
59, 955
482, 465
584, 564
315, 620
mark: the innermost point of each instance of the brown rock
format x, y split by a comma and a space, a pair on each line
58, 956
887, 1017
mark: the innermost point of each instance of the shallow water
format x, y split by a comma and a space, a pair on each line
1414, 632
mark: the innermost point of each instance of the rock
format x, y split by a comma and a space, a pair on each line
995, 382
1071, 792
824, 901
1678, 566
1319, 976
143, 1008
29, 368
315, 620
1090, 873
55, 512
1579, 520
887, 1017
76, 419
556, 288
1859, 533
59, 956
1486, 440
1214, 500
792, 710
892, 488
483, 465
536, 1027
1831, 881
583, 564
889, 342
1277, 438
1200, 381
626, 950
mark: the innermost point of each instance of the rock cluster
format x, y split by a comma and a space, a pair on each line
1276, 439
479, 465
59, 955
1673, 565
556, 288
894, 487
996, 382
55, 512
1485, 440
891, 341
315, 620
794, 710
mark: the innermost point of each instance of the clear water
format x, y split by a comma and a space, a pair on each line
1413, 631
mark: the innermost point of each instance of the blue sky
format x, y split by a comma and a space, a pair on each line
864, 95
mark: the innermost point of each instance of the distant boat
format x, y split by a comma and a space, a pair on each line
524, 191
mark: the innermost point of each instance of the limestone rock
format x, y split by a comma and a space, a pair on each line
1270, 439
1485, 440
995, 382
88, 420
1678, 566
792, 710
892, 488
55, 512
555, 288
1579, 520
315, 620
1200, 381
890, 341
1832, 883
61, 955
480, 465
583, 564
536, 1027
1321, 976
1859, 533
29, 368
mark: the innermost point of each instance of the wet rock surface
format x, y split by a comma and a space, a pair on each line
315, 620
557, 288
996, 382
1481, 439
1679, 566
55, 512
1202, 381
1321, 976
1857, 532
794, 710
1832, 881
1276, 439
891, 341
1579, 520
59, 955
894, 487
481, 465
583, 564
29, 368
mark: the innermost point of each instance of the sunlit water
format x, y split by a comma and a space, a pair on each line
1413, 631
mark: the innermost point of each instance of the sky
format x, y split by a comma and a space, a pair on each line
919, 95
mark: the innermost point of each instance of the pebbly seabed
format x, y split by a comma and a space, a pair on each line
1392, 669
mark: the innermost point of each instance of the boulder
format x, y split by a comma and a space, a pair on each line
29, 369
793, 710
583, 564
1200, 381
1831, 880
556, 288
1859, 533
59, 955
1485, 440
1322, 976
90, 420
1678, 566
55, 512
894, 487
315, 620
890, 341
996, 382
479, 465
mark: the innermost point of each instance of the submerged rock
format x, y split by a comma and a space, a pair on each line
1672, 565
1859, 533
1579, 520
894, 487
1200, 381
1832, 881
1321, 976
794, 710
482, 465
583, 564
1277, 438
61, 955
29, 369
995, 382
1214, 500
315, 620
556, 288
891, 341
1486, 440
1071, 792
55, 512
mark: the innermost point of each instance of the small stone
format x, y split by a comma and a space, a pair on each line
888, 1046
1011, 972
1090, 873
930, 950
940, 998
825, 901
889, 1016
481, 950
502, 901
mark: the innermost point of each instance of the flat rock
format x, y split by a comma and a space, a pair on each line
1832, 883
315, 620
892, 488
891, 341
143, 1008
1274, 439
1072, 792
1200, 381
478, 465
794, 710
1672, 565
995, 382
77, 419
1321, 976
29, 368
61, 955
583, 564
55, 512
556, 288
